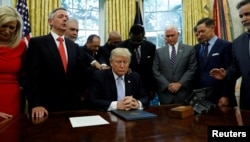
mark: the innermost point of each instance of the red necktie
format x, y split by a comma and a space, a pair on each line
62, 53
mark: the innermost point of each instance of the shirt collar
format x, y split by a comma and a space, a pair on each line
116, 76
55, 36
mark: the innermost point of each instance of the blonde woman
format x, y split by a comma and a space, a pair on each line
12, 49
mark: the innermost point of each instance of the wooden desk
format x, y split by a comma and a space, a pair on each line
57, 128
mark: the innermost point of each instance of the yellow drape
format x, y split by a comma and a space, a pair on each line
193, 10
120, 16
38, 14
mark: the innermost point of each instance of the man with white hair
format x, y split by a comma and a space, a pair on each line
72, 29
174, 68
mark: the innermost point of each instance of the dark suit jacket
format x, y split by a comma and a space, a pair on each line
240, 67
220, 56
98, 56
106, 52
47, 83
103, 90
144, 68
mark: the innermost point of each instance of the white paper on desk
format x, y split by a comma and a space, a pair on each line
83, 121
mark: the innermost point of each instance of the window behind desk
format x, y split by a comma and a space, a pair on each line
87, 12
158, 14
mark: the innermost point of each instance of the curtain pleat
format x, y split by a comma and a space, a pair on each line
193, 10
39, 11
120, 16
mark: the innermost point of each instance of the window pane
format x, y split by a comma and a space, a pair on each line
150, 21
149, 5
162, 5
157, 15
87, 14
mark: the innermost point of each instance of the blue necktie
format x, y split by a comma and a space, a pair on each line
173, 57
120, 89
205, 51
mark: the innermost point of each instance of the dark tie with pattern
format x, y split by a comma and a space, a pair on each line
205, 51
173, 57
137, 54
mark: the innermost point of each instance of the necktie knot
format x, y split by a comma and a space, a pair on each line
60, 39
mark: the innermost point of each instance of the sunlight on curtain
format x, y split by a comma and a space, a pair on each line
120, 16
38, 12
193, 10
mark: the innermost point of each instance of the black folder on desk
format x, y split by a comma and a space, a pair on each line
133, 114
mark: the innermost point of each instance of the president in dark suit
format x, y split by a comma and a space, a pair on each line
240, 65
174, 68
115, 88
54, 77
143, 52
213, 52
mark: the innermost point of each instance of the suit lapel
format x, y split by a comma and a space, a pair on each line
166, 57
51, 45
213, 50
69, 52
112, 83
128, 84
180, 50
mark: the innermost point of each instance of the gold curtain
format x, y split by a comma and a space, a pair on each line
120, 16
38, 14
193, 10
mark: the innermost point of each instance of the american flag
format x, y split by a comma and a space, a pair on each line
23, 11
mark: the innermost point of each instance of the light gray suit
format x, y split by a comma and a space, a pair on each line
183, 72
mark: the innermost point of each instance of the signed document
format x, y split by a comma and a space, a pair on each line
83, 121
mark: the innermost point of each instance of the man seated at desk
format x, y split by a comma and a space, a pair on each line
107, 90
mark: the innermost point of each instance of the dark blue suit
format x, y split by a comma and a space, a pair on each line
48, 85
220, 56
103, 89
241, 67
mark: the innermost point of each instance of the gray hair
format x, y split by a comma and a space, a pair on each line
168, 27
72, 20
52, 14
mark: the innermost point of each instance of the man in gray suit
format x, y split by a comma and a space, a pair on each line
174, 68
